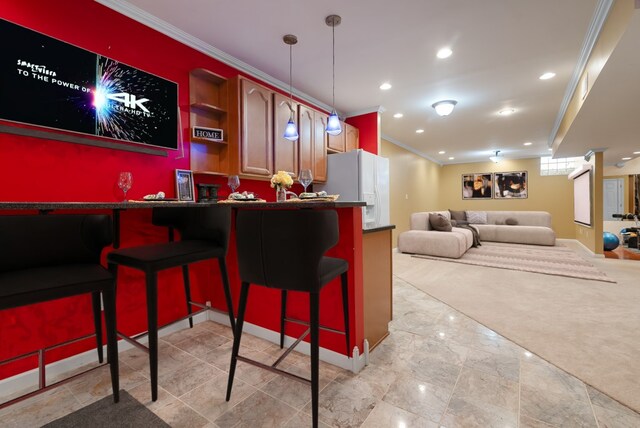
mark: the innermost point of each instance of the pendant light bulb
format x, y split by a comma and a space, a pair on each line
333, 124
291, 130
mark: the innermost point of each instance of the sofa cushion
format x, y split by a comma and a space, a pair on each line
458, 215
439, 222
511, 221
477, 217
420, 220
433, 243
532, 235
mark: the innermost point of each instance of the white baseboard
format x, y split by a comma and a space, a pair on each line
29, 379
582, 246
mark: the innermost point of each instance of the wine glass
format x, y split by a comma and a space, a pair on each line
305, 178
233, 183
125, 180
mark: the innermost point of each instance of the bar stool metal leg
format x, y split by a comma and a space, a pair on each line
109, 298
227, 291
314, 321
152, 320
187, 291
345, 308
242, 305
283, 315
97, 320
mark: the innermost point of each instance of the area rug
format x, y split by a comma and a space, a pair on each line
556, 260
129, 412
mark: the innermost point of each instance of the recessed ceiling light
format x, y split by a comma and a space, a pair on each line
419, 131
636, 153
528, 143
385, 86
398, 115
550, 149
506, 112
626, 158
441, 152
444, 53
548, 75
451, 158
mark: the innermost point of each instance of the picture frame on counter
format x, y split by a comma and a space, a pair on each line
477, 186
511, 185
184, 185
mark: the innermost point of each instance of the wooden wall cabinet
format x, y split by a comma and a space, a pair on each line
285, 152
313, 142
352, 137
345, 141
209, 107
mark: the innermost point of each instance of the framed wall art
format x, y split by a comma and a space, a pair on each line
511, 185
184, 185
477, 186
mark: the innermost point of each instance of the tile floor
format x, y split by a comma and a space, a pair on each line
437, 368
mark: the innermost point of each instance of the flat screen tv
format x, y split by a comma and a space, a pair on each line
50, 83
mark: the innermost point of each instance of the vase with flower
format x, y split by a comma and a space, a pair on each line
281, 181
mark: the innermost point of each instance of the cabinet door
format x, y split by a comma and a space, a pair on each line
256, 141
352, 137
285, 152
305, 142
320, 147
337, 143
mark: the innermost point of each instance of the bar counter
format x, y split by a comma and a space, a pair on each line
262, 317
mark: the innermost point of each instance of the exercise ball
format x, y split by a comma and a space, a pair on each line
610, 240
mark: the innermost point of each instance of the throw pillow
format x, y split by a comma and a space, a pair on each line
458, 215
439, 222
511, 221
454, 223
477, 217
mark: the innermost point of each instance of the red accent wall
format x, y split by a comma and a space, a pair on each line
46, 170
368, 125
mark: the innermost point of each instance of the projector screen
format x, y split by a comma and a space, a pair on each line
582, 198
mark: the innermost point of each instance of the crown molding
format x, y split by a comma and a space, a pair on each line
595, 27
374, 109
409, 148
151, 21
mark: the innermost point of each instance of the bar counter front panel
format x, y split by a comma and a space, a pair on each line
26, 328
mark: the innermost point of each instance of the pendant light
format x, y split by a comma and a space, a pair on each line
333, 124
290, 131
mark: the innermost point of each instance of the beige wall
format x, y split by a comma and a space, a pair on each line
414, 185
551, 193
418, 184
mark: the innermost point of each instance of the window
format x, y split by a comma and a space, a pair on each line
561, 166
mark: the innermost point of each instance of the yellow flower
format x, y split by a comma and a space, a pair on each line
282, 178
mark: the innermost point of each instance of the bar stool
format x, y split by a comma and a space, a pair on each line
204, 233
48, 257
264, 238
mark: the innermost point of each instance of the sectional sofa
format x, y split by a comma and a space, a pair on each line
521, 227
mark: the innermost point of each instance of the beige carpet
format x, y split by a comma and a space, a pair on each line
590, 329
558, 260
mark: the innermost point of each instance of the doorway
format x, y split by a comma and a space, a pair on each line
613, 191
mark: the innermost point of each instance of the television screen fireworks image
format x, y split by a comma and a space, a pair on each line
50, 83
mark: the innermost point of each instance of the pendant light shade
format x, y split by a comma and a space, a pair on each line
333, 124
291, 130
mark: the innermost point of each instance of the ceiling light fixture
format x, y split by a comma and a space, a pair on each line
333, 124
528, 143
398, 115
626, 158
451, 158
291, 131
548, 75
444, 107
506, 112
441, 152
419, 131
444, 53
385, 86
636, 153
496, 158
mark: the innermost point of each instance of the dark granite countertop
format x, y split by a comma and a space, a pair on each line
46, 206
379, 229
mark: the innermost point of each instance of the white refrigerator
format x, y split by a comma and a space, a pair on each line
360, 176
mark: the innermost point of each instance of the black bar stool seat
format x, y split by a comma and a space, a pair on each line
48, 257
266, 238
204, 233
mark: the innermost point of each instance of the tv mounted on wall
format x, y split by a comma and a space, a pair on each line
50, 83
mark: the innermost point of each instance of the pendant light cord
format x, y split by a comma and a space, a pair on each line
333, 88
290, 84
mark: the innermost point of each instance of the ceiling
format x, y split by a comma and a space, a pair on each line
500, 48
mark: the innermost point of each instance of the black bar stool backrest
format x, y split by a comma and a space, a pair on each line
283, 248
50, 240
197, 223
